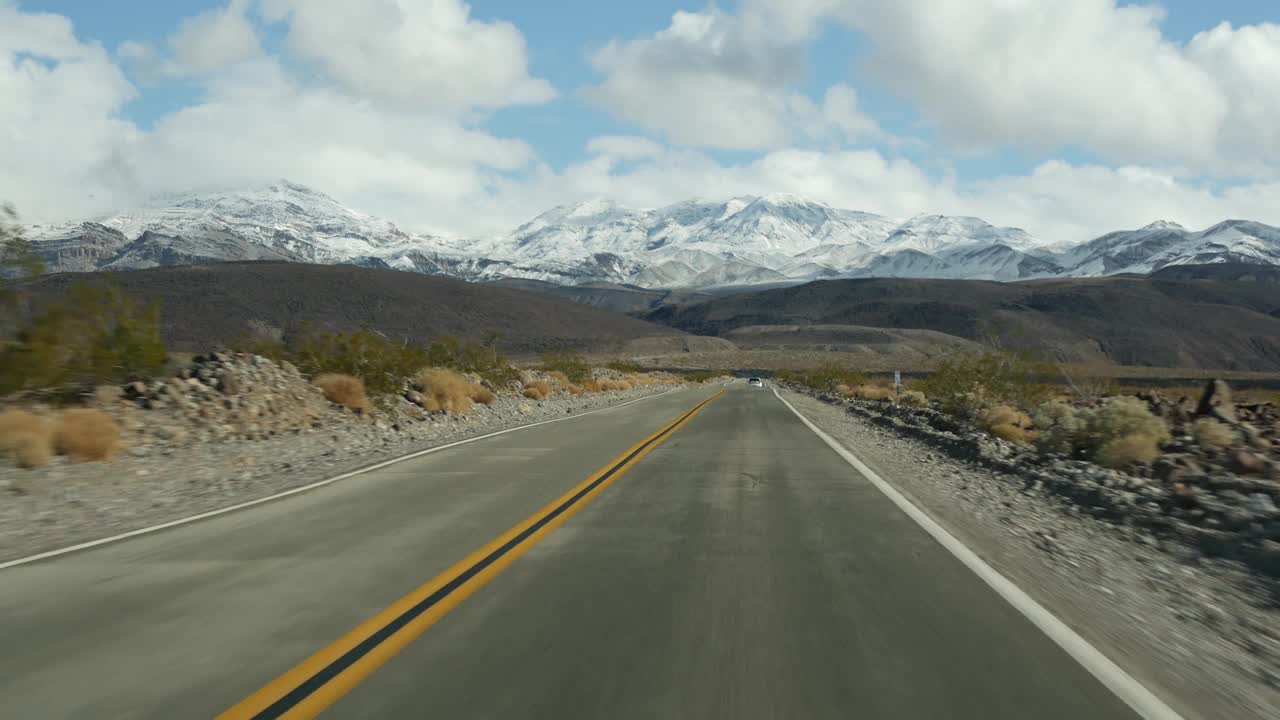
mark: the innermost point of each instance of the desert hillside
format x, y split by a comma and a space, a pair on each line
207, 305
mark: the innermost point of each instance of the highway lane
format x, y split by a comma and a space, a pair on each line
741, 569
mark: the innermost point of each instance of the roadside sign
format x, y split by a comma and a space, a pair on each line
897, 378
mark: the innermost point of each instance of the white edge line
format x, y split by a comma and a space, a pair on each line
305, 488
1133, 693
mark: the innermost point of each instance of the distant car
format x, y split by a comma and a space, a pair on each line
755, 382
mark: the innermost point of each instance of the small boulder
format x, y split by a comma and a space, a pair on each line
1244, 462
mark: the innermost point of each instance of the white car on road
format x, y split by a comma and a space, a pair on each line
755, 382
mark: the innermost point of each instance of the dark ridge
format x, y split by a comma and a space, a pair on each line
209, 305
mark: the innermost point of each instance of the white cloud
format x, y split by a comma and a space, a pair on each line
215, 39
1046, 74
626, 147
61, 138
423, 54
722, 80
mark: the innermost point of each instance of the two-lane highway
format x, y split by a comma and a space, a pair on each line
675, 558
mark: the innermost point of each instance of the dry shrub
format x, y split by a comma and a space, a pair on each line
26, 438
574, 389
345, 390
846, 391
993, 417
914, 398
1013, 433
1123, 452
561, 379
1119, 419
86, 435
482, 394
1061, 428
537, 390
446, 390
874, 392
1212, 434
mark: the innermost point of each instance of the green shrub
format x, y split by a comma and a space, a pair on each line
1120, 418
827, 377
1122, 452
1061, 428
625, 366
1213, 434
98, 335
568, 362
965, 384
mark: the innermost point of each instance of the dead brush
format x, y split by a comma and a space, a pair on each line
1008, 423
537, 390
345, 390
445, 390
26, 438
86, 435
874, 392
482, 395
561, 379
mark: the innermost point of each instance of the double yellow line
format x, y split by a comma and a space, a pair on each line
320, 680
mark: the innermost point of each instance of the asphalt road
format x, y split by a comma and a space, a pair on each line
736, 567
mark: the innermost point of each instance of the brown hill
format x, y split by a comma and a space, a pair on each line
1148, 321
207, 305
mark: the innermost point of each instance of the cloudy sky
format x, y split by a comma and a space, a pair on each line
1065, 118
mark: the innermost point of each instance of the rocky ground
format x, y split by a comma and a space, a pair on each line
1200, 630
230, 429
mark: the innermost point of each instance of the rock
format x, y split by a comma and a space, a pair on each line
416, 397
135, 389
1245, 462
1216, 402
1261, 503
230, 383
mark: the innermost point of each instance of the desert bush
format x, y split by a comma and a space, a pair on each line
1120, 418
625, 366
96, 336
874, 392
1061, 428
573, 389
86, 435
382, 363
561, 379
482, 395
1213, 434
346, 390
537, 390
1013, 433
965, 384
990, 417
914, 398
1122, 452
569, 363
827, 377
446, 390
26, 438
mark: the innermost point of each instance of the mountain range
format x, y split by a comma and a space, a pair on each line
745, 241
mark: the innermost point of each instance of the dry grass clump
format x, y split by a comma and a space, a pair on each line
914, 398
482, 394
86, 435
26, 438
874, 392
445, 389
1213, 434
600, 385
1007, 423
561, 379
1125, 451
575, 389
345, 390
537, 390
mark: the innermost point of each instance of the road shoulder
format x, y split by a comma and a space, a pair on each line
1187, 632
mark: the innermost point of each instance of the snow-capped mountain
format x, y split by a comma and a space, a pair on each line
694, 244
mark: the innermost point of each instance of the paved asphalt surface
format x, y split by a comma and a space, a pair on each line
740, 569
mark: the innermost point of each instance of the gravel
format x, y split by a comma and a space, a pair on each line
1201, 632
158, 480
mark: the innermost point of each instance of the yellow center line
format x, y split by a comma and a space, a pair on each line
320, 680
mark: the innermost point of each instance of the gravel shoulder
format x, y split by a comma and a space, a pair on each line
64, 504
1202, 634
